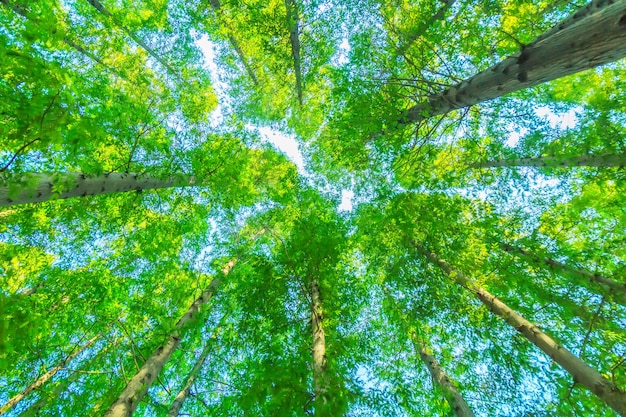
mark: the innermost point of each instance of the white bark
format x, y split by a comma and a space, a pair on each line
177, 404
137, 387
581, 372
320, 380
38, 187
585, 40
454, 398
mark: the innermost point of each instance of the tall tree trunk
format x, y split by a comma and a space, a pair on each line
104, 11
177, 404
67, 40
421, 30
454, 398
616, 290
217, 9
139, 384
582, 373
37, 187
451, 394
293, 24
320, 379
607, 160
594, 35
45, 377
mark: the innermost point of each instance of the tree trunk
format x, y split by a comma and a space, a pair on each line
177, 404
139, 384
452, 395
616, 290
580, 371
607, 160
217, 6
320, 380
421, 30
55, 186
293, 24
68, 41
594, 35
454, 398
104, 11
44, 378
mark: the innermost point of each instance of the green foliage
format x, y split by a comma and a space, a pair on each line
96, 87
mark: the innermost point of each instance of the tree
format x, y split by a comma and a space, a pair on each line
143, 149
550, 161
566, 49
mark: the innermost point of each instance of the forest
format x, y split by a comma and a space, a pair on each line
359, 208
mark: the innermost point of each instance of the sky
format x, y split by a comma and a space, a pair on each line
282, 142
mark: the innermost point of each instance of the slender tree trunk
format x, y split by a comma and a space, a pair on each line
37, 187
580, 371
320, 379
452, 395
137, 387
44, 378
594, 35
217, 6
54, 393
454, 398
421, 30
607, 160
104, 11
293, 23
67, 40
177, 404
616, 290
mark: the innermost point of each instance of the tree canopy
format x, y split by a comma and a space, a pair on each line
159, 256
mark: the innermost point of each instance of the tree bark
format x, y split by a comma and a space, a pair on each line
607, 160
217, 6
594, 35
44, 378
320, 379
454, 398
421, 30
293, 24
68, 41
582, 373
177, 404
44, 186
104, 11
451, 394
139, 384
616, 290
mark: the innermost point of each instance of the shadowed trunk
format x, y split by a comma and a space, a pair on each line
139, 384
582, 373
594, 35
293, 24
